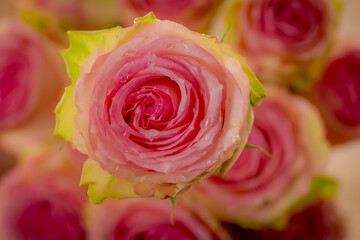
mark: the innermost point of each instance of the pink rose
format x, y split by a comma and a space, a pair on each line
40, 199
284, 41
259, 188
156, 105
194, 14
129, 219
337, 94
19, 73
31, 75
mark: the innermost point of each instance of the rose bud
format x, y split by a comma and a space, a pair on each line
148, 219
337, 94
194, 14
31, 74
284, 41
319, 221
264, 185
156, 105
40, 199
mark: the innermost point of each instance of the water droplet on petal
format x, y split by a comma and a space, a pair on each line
129, 53
207, 137
186, 46
204, 123
151, 63
236, 139
208, 162
170, 45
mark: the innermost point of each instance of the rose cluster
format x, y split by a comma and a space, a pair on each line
210, 119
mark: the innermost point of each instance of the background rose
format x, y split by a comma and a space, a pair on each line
40, 199
20, 70
150, 219
154, 108
284, 41
337, 94
194, 14
260, 189
31, 76
319, 221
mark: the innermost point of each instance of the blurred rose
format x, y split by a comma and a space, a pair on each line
283, 40
319, 221
194, 14
258, 188
157, 105
337, 94
149, 219
41, 200
19, 73
31, 76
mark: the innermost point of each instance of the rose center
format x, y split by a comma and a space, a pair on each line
150, 106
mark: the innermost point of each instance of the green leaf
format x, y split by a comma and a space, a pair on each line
150, 17
102, 185
82, 43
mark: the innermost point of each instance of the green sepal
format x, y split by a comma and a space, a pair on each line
225, 33
150, 17
173, 203
102, 185
257, 92
82, 43
248, 146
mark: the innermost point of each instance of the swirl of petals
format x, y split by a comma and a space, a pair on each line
288, 27
160, 108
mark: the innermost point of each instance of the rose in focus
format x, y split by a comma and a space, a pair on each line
157, 106
264, 185
337, 94
194, 14
150, 219
40, 198
284, 41
30, 71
